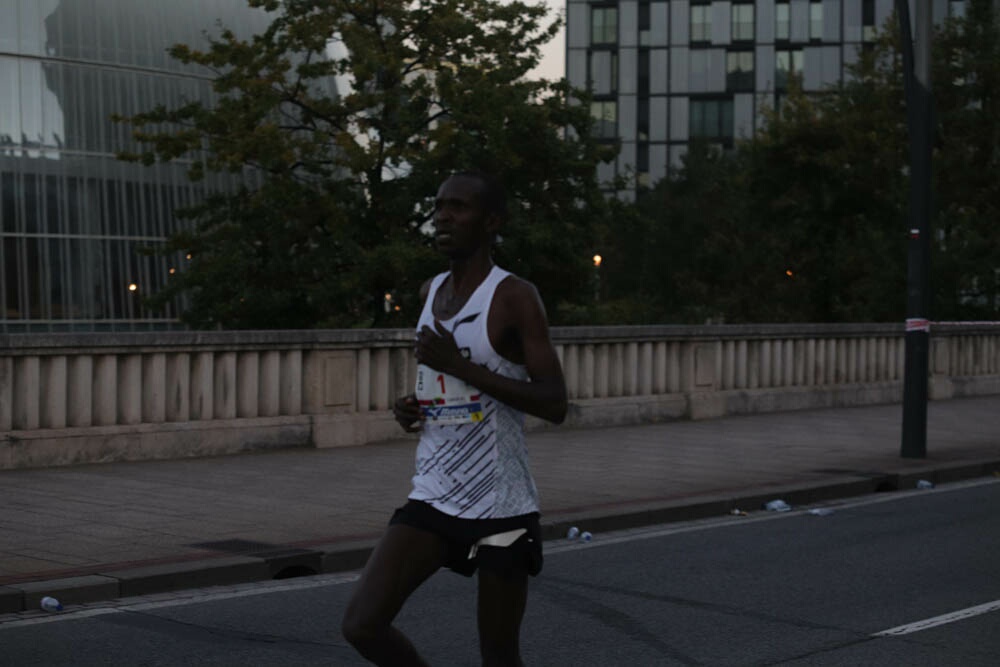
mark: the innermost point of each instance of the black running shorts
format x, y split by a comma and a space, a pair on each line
524, 555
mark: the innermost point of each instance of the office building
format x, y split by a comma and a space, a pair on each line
665, 71
72, 216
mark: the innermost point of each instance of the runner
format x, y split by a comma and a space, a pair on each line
484, 359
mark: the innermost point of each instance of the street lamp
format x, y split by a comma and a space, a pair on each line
597, 277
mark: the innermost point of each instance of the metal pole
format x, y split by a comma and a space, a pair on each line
916, 65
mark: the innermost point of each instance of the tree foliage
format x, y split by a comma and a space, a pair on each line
339, 182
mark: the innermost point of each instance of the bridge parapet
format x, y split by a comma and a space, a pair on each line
75, 398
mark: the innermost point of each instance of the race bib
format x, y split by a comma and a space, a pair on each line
445, 399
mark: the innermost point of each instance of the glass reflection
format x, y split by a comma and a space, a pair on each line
72, 218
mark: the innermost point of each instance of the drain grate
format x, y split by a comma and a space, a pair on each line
237, 546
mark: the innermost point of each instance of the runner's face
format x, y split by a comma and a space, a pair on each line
461, 225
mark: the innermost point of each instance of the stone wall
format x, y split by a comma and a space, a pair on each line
76, 398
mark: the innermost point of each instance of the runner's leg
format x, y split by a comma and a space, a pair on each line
403, 559
502, 599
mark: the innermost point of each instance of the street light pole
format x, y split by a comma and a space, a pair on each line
917, 80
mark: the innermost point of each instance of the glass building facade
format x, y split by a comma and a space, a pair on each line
72, 216
664, 72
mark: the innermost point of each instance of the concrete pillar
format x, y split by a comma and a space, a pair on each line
133, 389
728, 358
785, 372
587, 372
765, 363
852, 360
840, 359
269, 385
602, 369
153, 388
740, 361
291, 382
891, 370
202, 386
630, 370
247, 381
6, 393
674, 367
380, 379
105, 390
798, 372
53, 392
645, 386
788, 363
178, 387
571, 369
27, 393
811, 365
883, 360
364, 380
660, 364
399, 367
224, 385
830, 361
80, 399
753, 364
699, 368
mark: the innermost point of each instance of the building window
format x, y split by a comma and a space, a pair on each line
642, 165
868, 20
603, 25
815, 20
711, 119
742, 23
739, 71
701, 23
787, 63
642, 119
642, 74
782, 21
605, 114
603, 75
644, 24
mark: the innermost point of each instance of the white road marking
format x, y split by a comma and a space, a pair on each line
177, 599
928, 623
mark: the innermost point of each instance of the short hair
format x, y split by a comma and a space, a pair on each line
492, 194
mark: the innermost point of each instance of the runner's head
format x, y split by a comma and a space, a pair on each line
469, 210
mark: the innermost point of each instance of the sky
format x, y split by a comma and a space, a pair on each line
554, 53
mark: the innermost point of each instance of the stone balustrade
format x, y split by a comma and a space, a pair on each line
75, 398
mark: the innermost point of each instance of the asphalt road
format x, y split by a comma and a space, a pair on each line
770, 588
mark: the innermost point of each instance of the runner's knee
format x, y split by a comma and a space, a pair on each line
501, 655
360, 630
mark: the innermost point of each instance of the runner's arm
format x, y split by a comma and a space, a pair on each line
544, 395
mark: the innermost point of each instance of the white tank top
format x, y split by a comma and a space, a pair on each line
476, 468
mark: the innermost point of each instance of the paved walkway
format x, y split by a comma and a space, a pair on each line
108, 530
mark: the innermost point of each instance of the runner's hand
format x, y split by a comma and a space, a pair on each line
437, 349
407, 412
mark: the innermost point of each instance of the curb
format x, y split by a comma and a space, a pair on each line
346, 556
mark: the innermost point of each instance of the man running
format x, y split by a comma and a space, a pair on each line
484, 359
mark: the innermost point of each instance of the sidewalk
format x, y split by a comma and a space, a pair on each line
97, 532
